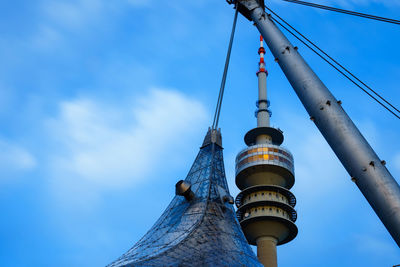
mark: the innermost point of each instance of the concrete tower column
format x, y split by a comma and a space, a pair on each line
266, 251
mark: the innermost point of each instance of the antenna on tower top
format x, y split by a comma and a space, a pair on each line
261, 52
262, 113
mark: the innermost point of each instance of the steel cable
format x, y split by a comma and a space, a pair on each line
337, 63
348, 12
335, 67
222, 87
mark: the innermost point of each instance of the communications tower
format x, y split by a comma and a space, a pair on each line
265, 174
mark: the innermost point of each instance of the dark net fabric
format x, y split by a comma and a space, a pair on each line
200, 232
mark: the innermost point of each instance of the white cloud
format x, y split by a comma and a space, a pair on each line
315, 163
397, 161
46, 37
371, 245
77, 14
72, 14
60, 17
6, 97
112, 146
138, 2
314, 158
15, 158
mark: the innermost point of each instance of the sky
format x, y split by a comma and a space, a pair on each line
104, 104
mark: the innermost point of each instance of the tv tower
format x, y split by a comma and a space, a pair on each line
265, 174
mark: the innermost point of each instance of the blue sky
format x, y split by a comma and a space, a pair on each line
104, 104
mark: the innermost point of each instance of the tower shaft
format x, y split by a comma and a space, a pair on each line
266, 251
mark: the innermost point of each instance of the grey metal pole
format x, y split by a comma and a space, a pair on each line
368, 172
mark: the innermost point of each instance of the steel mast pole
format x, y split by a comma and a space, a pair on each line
359, 159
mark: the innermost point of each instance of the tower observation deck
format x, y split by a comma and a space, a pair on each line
265, 173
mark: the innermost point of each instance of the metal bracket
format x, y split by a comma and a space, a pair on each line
262, 110
246, 6
258, 102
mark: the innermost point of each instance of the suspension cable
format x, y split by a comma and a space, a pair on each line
335, 67
348, 12
335, 61
223, 81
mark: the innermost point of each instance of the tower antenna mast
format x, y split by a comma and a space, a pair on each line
265, 174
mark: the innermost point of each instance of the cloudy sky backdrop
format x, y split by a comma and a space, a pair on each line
104, 104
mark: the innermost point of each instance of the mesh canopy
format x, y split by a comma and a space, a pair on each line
200, 232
